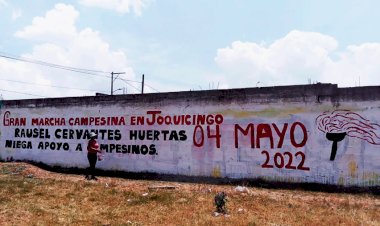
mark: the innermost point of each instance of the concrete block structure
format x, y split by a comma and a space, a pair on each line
305, 133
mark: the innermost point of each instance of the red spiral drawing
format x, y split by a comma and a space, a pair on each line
351, 123
340, 123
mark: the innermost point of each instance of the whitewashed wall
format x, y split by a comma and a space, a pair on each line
300, 151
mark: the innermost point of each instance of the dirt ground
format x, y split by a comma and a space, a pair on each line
168, 203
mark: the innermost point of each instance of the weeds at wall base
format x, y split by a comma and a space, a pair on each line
259, 183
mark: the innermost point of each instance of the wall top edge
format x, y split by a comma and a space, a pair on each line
267, 94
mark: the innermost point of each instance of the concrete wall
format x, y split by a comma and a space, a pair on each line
312, 133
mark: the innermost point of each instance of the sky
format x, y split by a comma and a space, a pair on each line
184, 45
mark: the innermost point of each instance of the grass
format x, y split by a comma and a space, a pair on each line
55, 199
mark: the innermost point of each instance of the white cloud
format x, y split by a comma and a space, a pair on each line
60, 42
57, 25
17, 13
3, 2
297, 57
121, 6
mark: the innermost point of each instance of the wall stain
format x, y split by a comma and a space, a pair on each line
341, 181
371, 176
216, 172
353, 168
268, 112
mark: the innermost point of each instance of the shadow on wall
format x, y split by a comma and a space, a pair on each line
260, 183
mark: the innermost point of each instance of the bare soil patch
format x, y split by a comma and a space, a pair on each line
32, 196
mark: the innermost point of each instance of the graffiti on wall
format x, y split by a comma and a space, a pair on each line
217, 144
53, 133
275, 135
341, 123
278, 143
